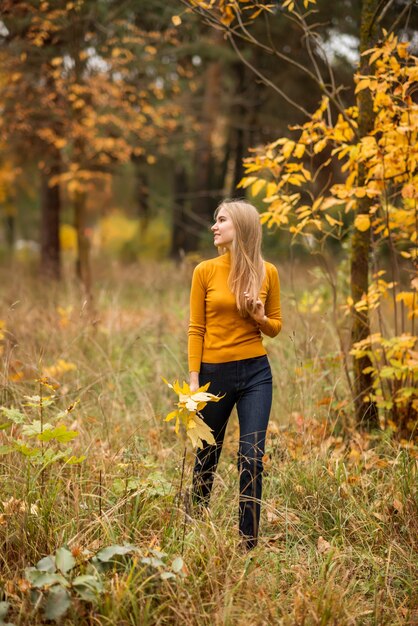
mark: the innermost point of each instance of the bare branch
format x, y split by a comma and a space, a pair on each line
407, 8
240, 31
266, 80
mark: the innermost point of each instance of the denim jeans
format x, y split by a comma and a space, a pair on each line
248, 385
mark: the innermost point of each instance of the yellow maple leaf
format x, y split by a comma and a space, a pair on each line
198, 432
188, 410
257, 186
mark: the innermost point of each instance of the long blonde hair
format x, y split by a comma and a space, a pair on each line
247, 266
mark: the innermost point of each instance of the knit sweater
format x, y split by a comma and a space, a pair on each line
217, 332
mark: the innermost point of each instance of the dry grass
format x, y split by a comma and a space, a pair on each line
339, 523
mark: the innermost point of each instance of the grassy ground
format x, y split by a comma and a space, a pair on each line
339, 523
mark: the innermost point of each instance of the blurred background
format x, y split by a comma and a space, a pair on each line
123, 124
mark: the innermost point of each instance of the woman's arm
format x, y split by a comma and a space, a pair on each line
268, 316
272, 324
193, 381
197, 326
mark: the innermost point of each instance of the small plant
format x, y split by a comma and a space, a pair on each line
189, 421
57, 581
4, 609
39, 439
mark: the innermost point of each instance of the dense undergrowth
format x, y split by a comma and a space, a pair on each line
339, 528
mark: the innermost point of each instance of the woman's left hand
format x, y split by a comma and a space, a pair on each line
258, 314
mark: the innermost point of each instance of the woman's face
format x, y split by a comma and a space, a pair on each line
223, 230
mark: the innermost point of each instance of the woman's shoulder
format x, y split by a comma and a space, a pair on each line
271, 269
210, 264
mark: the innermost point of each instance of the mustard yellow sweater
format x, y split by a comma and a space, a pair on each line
217, 332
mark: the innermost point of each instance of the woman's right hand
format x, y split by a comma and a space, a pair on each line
194, 381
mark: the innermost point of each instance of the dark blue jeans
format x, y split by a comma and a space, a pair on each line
248, 384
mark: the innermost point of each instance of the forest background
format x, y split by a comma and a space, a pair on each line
123, 124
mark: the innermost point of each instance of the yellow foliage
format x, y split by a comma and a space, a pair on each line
388, 154
58, 369
410, 299
257, 187
64, 316
362, 222
116, 229
188, 410
2, 335
68, 238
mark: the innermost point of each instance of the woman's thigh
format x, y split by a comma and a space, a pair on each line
254, 405
220, 376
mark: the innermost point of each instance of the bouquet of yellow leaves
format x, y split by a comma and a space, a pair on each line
188, 410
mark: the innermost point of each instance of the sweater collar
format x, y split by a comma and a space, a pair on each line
225, 258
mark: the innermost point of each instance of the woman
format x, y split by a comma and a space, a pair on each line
234, 300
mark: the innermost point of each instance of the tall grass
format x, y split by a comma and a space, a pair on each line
339, 526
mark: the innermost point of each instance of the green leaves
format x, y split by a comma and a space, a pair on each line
35, 428
57, 603
88, 587
13, 415
39, 439
4, 608
55, 582
60, 434
64, 560
39, 579
6, 449
47, 564
177, 565
108, 554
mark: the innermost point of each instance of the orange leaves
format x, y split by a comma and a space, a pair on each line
323, 546
226, 10
87, 99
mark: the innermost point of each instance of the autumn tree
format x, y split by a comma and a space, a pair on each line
284, 173
235, 107
83, 85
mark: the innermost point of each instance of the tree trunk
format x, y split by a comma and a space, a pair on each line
205, 197
10, 227
365, 410
181, 234
239, 120
83, 268
141, 190
50, 221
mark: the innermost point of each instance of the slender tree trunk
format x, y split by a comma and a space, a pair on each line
141, 190
205, 198
83, 267
181, 234
365, 410
239, 122
50, 221
10, 228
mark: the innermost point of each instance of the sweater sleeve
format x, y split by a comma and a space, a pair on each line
197, 323
272, 306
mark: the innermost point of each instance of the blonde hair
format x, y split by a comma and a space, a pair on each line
247, 266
